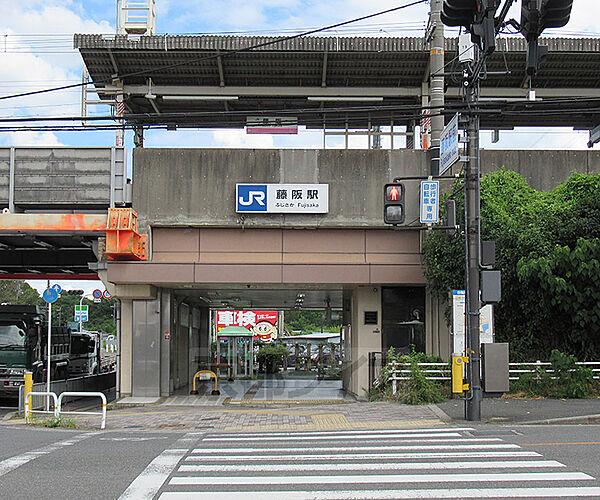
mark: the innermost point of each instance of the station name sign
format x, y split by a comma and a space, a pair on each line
282, 198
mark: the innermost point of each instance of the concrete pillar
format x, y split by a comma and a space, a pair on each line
126, 349
166, 333
364, 338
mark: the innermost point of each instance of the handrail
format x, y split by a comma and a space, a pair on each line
29, 411
84, 394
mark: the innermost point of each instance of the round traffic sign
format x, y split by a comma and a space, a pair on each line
57, 287
50, 295
97, 294
106, 295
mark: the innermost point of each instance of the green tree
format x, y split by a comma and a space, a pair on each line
101, 315
309, 322
546, 249
18, 292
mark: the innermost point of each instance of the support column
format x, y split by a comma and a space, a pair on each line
436, 82
364, 338
125, 348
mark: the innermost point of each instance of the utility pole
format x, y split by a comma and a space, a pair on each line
472, 245
436, 81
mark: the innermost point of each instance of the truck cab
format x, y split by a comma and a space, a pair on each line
85, 353
20, 346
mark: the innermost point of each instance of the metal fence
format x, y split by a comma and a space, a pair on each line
95, 383
441, 371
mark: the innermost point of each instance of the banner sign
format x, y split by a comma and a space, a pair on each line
263, 324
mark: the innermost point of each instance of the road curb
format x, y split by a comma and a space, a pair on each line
583, 419
441, 414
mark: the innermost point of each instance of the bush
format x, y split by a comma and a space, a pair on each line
270, 357
568, 380
418, 389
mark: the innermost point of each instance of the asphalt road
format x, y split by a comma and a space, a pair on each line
482, 461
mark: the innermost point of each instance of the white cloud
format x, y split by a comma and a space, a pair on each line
33, 139
33, 62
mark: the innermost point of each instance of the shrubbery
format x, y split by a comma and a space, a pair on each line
417, 389
567, 380
270, 357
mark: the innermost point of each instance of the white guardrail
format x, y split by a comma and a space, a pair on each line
29, 410
441, 371
58, 401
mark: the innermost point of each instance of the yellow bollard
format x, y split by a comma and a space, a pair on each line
28, 377
215, 392
458, 364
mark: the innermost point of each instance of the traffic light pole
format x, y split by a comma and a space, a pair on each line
472, 244
436, 82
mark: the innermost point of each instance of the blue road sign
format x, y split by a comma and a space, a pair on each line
430, 202
57, 287
50, 295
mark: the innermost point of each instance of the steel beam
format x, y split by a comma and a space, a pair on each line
55, 223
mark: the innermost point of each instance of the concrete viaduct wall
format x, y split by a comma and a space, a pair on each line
180, 187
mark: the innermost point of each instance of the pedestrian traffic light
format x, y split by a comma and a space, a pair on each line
477, 16
393, 204
536, 16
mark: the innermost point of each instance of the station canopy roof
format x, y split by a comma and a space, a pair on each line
216, 81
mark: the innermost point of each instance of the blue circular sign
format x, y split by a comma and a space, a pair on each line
97, 294
57, 287
50, 295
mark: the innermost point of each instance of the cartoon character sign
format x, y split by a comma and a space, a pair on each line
265, 331
263, 324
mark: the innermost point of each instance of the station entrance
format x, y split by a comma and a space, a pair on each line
169, 307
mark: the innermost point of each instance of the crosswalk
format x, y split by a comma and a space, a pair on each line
381, 464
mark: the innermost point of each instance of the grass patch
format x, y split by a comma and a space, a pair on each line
52, 422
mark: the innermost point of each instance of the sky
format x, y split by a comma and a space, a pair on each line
36, 50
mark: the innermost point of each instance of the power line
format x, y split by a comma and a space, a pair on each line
246, 49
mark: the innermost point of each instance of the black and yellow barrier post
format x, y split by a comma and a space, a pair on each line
215, 392
458, 369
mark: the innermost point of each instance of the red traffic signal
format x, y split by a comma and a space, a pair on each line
393, 204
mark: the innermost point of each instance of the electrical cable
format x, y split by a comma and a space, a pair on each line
228, 53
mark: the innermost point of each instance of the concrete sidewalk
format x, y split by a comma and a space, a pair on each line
301, 417
545, 411
297, 415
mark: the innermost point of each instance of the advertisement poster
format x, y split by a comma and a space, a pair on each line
486, 322
263, 324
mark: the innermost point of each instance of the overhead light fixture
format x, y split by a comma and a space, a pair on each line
200, 97
346, 99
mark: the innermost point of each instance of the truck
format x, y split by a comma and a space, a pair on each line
23, 346
91, 354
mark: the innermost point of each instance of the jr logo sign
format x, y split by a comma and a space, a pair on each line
282, 198
251, 198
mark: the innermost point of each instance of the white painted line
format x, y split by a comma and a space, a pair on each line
389, 494
147, 484
365, 456
339, 438
382, 478
505, 464
12, 463
428, 440
383, 449
349, 433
